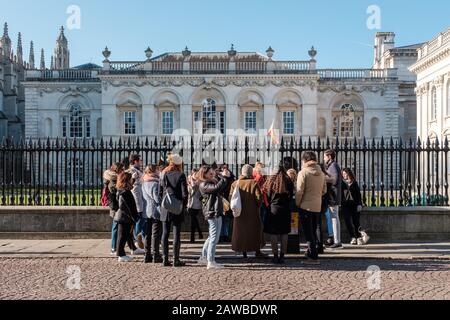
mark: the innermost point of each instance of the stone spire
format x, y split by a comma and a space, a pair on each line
52, 63
6, 41
31, 58
19, 49
42, 60
61, 58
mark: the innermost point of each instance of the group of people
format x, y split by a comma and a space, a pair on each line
147, 205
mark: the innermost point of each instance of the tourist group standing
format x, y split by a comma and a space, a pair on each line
147, 204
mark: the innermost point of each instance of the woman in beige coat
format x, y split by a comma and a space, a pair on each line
247, 228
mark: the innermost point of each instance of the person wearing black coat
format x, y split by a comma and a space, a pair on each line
211, 189
351, 205
173, 182
280, 191
125, 216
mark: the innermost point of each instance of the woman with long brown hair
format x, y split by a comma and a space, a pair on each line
280, 191
125, 216
174, 184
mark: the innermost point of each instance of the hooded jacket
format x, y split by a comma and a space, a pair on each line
311, 186
152, 195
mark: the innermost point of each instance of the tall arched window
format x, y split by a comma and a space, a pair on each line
347, 122
76, 124
433, 104
209, 119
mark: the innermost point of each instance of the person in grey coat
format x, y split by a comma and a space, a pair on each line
140, 226
333, 178
152, 195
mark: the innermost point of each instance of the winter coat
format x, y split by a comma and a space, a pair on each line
194, 196
174, 183
137, 188
152, 195
278, 218
127, 213
351, 196
109, 181
311, 186
212, 197
334, 178
247, 228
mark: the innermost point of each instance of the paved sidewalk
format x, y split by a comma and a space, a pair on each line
100, 248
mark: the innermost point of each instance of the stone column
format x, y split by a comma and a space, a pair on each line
232, 117
309, 120
111, 126
270, 114
186, 117
149, 120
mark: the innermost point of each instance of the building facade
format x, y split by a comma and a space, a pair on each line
201, 93
433, 88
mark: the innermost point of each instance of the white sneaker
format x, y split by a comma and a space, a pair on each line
202, 261
354, 241
360, 242
138, 252
214, 265
113, 252
125, 259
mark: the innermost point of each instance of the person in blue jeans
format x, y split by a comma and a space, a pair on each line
109, 182
211, 187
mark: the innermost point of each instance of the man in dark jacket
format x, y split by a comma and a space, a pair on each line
334, 180
228, 215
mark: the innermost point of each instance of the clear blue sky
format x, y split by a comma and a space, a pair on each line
336, 28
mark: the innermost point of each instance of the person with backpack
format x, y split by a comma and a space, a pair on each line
352, 206
173, 207
194, 204
333, 177
151, 190
211, 187
280, 191
141, 224
109, 198
125, 216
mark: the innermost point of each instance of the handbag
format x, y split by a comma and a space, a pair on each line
226, 205
171, 203
236, 202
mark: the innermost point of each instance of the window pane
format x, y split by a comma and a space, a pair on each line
250, 122
288, 122
130, 122
209, 115
167, 122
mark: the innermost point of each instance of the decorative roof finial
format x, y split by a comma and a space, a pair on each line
270, 52
31, 58
5, 30
312, 53
42, 60
19, 49
232, 52
148, 53
186, 52
106, 53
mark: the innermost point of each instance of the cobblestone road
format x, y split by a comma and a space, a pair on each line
104, 278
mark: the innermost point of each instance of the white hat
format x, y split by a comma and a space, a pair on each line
176, 159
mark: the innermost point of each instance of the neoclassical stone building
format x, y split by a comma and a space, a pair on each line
433, 88
207, 92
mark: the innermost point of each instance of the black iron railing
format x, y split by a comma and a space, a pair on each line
68, 172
